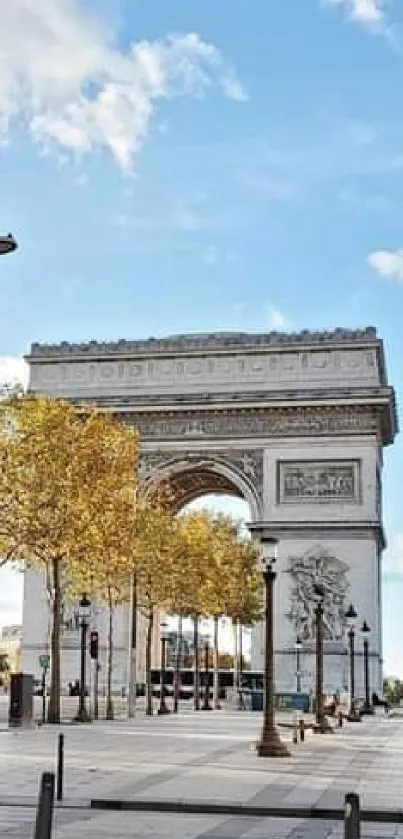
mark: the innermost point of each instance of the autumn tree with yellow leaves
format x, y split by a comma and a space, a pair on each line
64, 468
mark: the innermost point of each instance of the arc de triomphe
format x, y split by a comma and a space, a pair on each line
293, 423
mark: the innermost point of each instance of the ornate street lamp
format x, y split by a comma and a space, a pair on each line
84, 614
7, 244
163, 634
298, 648
365, 631
351, 616
270, 744
322, 725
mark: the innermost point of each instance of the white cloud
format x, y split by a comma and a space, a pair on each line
13, 370
276, 319
388, 263
62, 76
368, 12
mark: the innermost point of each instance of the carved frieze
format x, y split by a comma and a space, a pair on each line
318, 481
318, 566
261, 422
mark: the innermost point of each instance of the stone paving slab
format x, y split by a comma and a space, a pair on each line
202, 757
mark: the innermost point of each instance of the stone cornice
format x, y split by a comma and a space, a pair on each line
205, 342
262, 398
340, 529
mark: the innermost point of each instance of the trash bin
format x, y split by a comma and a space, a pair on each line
21, 700
256, 698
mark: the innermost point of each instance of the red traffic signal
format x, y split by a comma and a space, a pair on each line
94, 644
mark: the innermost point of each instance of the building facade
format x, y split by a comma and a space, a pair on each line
293, 423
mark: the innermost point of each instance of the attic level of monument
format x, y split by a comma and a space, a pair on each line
176, 386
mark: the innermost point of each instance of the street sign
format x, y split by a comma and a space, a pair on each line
44, 661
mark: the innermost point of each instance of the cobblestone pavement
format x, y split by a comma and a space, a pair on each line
205, 757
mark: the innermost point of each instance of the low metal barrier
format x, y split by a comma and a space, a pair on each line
351, 814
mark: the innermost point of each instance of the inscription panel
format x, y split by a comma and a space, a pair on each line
207, 372
319, 481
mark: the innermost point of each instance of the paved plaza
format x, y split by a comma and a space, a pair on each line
199, 757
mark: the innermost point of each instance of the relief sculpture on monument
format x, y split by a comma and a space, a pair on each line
320, 481
315, 566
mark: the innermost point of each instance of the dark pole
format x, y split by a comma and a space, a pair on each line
178, 665
163, 706
206, 703
132, 694
351, 640
84, 605
322, 725
366, 675
365, 630
240, 655
196, 697
97, 668
319, 665
298, 664
43, 695
82, 713
270, 744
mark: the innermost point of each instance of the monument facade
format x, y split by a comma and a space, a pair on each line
293, 423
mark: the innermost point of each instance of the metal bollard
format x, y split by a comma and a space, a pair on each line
60, 767
302, 730
44, 813
352, 823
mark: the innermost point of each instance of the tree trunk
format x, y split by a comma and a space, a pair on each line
149, 687
216, 675
109, 700
54, 694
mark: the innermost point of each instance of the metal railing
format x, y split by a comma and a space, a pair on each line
351, 814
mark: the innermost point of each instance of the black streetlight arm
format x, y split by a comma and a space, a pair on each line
7, 244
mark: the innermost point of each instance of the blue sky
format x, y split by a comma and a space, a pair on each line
177, 166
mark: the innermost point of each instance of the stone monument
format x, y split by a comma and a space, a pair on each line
293, 423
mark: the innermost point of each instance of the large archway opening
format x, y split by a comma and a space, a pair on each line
201, 491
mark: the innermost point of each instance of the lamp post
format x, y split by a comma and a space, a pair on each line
178, 664
322, 725
84, 613
196, 673
270, 744
351, 616
163, 706
298, 648
206, 701
365, 631
7, 244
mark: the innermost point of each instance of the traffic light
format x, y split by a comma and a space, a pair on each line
94, 645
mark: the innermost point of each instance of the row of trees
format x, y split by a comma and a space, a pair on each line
72, 505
